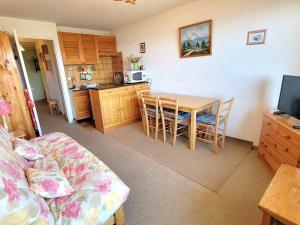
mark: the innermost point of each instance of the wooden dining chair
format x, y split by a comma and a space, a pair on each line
174, 122
139, 95
151, 114
212, 127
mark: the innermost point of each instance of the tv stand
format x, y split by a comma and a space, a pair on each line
279, 141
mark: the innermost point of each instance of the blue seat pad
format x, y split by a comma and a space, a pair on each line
209, 119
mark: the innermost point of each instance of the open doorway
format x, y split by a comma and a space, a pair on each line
43, 76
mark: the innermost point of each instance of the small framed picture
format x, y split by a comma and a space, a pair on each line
257, 37
142, 47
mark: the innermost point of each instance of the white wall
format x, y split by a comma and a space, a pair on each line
252, 74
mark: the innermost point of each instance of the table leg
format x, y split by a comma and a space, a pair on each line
267, 219
193, 131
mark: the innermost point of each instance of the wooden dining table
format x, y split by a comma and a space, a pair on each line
193, 105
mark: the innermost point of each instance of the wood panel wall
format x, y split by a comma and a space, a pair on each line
12, 90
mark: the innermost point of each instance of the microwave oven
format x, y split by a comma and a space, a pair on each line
135, 76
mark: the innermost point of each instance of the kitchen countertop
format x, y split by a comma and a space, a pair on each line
107, 86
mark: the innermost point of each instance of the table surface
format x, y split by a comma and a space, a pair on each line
188, 102
282, 198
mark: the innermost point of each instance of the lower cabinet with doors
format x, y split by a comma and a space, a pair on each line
116, 107
81, 104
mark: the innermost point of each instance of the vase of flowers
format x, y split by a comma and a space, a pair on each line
134, 60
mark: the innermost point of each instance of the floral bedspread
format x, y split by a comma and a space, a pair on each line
99, 192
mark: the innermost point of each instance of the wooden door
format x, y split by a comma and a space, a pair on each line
89, 49
111, 110
27, 83
70, 44
130, 106
12, 90
106, 45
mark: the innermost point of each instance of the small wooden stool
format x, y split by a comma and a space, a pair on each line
53, 105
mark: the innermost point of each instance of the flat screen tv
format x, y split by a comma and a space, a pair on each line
289, 100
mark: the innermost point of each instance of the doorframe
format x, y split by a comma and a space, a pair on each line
61, 72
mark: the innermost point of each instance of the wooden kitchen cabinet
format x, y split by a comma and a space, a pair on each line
117, 107
70, 44
81, 104
106, 45
80, 49
89, 49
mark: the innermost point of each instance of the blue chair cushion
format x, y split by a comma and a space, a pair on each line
181, 115
150, 112
209, 119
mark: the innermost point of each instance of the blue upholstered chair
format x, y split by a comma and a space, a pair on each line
211, 127
174, 121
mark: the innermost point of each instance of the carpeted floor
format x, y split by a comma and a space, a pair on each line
202, 166
172, 186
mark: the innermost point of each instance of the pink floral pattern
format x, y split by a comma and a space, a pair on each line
48, 183
12, 168
27, 149
104, 186
11, 189
94, 191
72, 210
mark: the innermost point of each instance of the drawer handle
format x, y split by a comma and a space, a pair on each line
288, 137
275, 145
286, 150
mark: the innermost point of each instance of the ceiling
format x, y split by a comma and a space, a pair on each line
89, 14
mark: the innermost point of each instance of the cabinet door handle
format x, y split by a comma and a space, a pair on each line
286, 150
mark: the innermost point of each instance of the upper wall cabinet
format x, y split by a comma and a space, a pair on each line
85, 48
89, 49
70, 44
106, 45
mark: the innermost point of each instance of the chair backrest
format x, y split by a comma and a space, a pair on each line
168, 107
224, 110
150, 104
140, 94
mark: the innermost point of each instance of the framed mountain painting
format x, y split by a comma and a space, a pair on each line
196, 39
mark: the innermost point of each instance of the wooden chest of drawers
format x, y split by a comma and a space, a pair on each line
279, 142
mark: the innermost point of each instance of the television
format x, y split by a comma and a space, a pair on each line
289, 100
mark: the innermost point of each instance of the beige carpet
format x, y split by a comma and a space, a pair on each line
162, 196
202, 166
